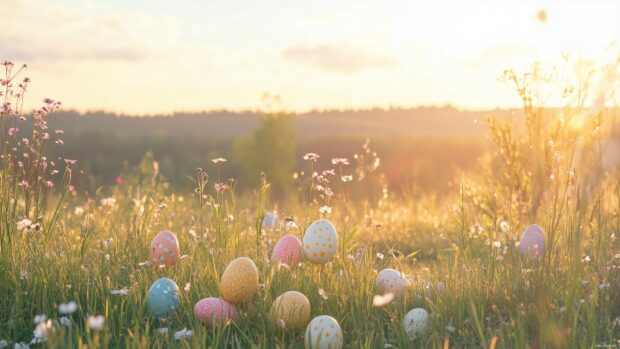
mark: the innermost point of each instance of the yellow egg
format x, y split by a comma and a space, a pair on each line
291, 310
320, 241
239, 281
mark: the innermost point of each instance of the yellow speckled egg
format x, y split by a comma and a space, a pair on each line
165, 249
291, 310
320, 241
239, 281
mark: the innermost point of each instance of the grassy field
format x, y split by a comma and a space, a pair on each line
458, 254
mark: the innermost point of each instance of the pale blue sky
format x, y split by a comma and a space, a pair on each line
148, 56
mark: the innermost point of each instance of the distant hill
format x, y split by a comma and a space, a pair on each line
444, 121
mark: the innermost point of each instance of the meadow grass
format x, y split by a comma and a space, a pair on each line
458, 254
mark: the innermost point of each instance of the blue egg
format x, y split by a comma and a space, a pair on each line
163, 298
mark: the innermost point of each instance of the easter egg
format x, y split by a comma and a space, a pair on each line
239, 281
323, 332
288, 250
320, 241
163, 298
532, 243
415, 323
291, 310
165, 249
213, 311
390, 281
270, 220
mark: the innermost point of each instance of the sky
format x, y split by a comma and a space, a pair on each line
160, 56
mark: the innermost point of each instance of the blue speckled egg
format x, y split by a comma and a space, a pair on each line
163, 298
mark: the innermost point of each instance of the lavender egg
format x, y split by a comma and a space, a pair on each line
532, 243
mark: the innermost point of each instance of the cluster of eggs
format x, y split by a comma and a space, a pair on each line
291, 310
320, 243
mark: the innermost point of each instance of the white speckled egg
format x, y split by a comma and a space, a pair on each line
163, 298
213, 311
291, 310
320, 241
415, 323
239, 281
288, 250
165, 249
323, 332
390, 281
532, 243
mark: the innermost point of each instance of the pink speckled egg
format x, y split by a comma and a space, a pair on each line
532, 243
215, 311
165, 249
288, 250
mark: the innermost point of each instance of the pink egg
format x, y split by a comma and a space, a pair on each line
288, 250
532, 243
214, 311
165, 249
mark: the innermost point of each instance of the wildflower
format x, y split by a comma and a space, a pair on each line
218, 160
67, 308
24, 184
3, 343
21, 345
381, 300
311, 157
70, 162
604, 286
108, 202
380, 255
78, 211
323, 294
163, 330
338, 161
122, 292
184, 333
24, 225
504, 226
38, 319
346, 178
329, 172
187, 287
96, 323
281, 323
325, 210
65, 321
221, 187
586, 259
441, 287
119, 180
13, 131
40, 332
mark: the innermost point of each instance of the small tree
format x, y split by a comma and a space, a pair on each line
269, 149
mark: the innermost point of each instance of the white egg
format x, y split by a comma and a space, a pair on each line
323, 332
390, 281
415, 323
320, 241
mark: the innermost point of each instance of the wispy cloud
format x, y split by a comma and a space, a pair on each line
335, 58
31, 32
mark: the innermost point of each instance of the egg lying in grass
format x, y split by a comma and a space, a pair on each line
390, 281
291, 310
165, 249
215, 311
288, 250
320, 241
239, 281
270, 220
323, 332
532, 243
163, 298
415, 323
